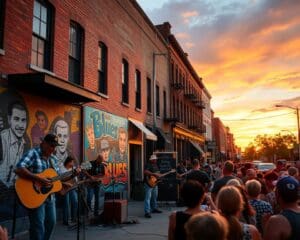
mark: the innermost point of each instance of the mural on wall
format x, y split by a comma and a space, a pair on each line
107, 134
24, 120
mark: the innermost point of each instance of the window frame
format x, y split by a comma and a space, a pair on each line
47, 40
78, 50
138, 90
149, 95
125, 81
157, 99
102, 71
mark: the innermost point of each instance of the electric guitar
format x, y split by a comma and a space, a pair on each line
152, 181
32, 194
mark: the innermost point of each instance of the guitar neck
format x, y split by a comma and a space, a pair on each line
62, 176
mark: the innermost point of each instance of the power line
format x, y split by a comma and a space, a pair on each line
251, 119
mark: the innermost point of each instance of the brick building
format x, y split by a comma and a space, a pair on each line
95, 73
186, 101
220, 136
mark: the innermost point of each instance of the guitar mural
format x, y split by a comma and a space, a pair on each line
107, 134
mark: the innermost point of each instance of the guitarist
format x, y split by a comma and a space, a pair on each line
150, 202
96, 174
36, 160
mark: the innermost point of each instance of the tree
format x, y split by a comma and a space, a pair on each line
271, 147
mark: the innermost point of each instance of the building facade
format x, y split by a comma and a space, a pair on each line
186, 104
95, 73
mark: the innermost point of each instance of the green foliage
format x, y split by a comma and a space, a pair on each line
270, 147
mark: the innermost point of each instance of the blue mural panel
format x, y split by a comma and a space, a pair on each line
107, 134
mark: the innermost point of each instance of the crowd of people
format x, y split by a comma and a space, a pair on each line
228, 202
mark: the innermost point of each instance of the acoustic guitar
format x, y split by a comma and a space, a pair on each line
152, 181
32, 194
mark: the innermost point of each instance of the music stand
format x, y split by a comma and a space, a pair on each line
80, 202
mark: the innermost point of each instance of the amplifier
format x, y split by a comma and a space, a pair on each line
115, 211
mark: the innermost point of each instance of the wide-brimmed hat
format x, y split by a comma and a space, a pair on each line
51, 139
153, 157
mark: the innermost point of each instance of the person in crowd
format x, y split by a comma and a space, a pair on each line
151, 192
294, 172
70, 198
253, 188
96, 174
197, 174
230, 203
270, 179
217, 172
3, 233
285, 225
248, 213
227, 175
250, 174
206, 226
280, 166
192, 194
36, 160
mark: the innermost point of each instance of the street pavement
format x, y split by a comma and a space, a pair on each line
155, 228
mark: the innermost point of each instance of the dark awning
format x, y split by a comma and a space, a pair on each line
161, 134
42, 84
197, 146
149, 135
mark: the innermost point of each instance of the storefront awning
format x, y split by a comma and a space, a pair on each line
161, 134
197, 146
149, 135
52, 87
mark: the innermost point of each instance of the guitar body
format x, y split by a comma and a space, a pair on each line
152, 181
33, 194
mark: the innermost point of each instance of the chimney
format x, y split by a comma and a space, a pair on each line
164, 29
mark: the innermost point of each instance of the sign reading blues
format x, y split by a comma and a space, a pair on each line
107, 134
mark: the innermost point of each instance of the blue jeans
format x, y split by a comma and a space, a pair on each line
93, 191
150, 202
70, 206
42, 220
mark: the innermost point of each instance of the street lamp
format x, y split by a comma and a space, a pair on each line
297, 112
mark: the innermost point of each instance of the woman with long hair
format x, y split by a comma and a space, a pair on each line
230, 203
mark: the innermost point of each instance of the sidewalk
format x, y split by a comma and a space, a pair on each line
155, 228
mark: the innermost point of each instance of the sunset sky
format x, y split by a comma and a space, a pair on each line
248, 54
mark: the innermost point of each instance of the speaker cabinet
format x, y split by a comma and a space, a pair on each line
115, 211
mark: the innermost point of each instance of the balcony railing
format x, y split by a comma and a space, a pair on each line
200, 104
177, 86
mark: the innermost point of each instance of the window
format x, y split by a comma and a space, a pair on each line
75, 53
42, 35
149, 99
125, 78
165, 104
157, 101
102, 68
2, 14
172, 72
137, 89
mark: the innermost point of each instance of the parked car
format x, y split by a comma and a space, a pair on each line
264, 167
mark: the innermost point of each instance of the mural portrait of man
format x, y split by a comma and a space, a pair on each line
90, 152
12, 141
62, 130
121, 154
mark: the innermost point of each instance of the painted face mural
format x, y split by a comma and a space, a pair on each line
62, 132
18, 122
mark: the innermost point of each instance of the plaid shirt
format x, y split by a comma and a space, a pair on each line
33, 161
261, 208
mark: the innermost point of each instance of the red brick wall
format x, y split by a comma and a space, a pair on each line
115, 22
